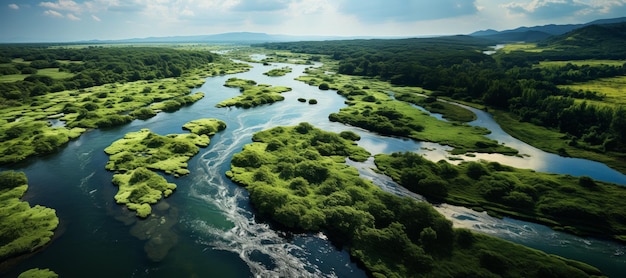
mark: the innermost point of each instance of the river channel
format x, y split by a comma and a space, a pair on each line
208, 222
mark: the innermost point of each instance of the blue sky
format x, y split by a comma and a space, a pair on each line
71, 20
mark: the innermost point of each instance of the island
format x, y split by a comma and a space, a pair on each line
136, 158
297, 177
252, 94
278, 72
23, 229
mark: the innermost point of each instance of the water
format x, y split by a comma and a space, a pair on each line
208, 225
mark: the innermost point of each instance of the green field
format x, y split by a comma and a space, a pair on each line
53, 73
593, 63
613, 89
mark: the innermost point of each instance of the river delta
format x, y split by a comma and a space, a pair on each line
209, 221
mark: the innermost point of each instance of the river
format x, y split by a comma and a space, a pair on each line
208, 220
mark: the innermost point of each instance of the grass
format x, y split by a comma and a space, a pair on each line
576, 205
297, 177
613, 89
95, 107
278, 72
526, 47
38, 273
252, 94
23, 229
371, 107
53, 73
553, 141
593, 63
137, 156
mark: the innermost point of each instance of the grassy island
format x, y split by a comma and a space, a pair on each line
98, 88
370, 106
297, 177
38, 273
252, 94
23, 229
137, 156
279, 71
576, 205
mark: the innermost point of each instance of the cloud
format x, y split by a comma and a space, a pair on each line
52, 13
261, 5
14, 6
579, 10
94, 17
72, 17
407, 10
547, 9
62, 5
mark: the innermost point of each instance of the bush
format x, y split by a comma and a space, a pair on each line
11, 179
312, 101
324, 86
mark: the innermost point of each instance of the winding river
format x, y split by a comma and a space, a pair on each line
209, 219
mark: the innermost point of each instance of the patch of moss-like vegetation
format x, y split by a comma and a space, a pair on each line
253, 94
371, 107
449, 111
23, 229
297, 176
135, 157
279, 71
40, 113
205, 126
38, 273
577, 205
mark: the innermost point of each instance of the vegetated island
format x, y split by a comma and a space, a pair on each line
38, 273
137, 156
577, 205
552, 94
278, 72
23, 229
102, 87
297, 176
371, 107
252, 94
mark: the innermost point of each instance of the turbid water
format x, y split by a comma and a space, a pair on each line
207, 227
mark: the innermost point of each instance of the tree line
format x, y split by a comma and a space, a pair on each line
455, 67
91, 66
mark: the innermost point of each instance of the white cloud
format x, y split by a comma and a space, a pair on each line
94, 17
14, 6
62, 5
53, 13
72, 17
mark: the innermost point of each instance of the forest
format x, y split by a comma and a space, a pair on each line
91, 66
512, 82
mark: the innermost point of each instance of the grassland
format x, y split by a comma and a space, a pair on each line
297, 177
26, 130
278, 72
137, 156
612, 89
592, 63
38, 273
577, 205
23, 229
252, 94
371, 107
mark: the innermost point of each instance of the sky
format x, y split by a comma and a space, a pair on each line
75, 20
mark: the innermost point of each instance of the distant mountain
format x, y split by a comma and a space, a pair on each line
605, 36
234, 37
538, 33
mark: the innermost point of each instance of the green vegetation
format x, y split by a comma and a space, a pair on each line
23, 229
297, 177
110, 86
278, 72
512, 80
205, 126
449, 111
135, 157
252, 94
576, 205
373, 109
38, 273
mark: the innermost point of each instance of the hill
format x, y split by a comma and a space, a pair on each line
539, 33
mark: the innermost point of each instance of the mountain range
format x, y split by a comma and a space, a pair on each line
538, 33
